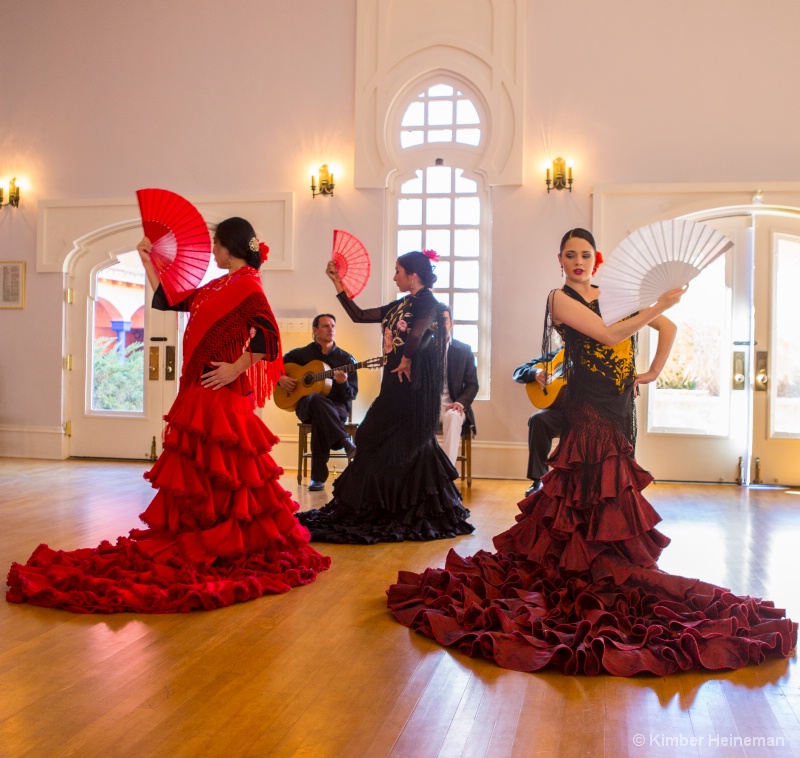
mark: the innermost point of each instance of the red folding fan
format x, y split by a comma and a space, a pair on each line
181, 242
352, 262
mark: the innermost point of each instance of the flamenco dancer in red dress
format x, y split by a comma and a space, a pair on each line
574, 583
221, 529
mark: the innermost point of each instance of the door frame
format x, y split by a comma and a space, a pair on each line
621, 209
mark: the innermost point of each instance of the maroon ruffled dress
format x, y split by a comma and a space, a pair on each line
221, 528
574, 583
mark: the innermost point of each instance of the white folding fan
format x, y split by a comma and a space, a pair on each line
652, 260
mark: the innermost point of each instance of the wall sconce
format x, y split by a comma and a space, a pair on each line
325, 182
13, 193
562, 175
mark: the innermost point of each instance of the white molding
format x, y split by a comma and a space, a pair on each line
67, 227
402, 44
619, 209
490, 460
47, 442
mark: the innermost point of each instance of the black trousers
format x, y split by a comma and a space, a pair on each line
543, 426
327, 419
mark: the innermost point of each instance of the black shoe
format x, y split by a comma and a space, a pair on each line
349, 448
316, 486
534, 486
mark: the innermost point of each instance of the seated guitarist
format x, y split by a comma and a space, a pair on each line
543, 425
326, 414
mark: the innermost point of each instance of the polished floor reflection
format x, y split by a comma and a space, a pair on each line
325, 671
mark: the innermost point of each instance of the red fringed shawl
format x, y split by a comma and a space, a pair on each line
222, 321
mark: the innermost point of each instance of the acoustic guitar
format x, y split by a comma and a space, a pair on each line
315, 376
545, 397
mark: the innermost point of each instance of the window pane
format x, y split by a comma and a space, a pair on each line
438, 240
408, 240
409, 211
438, 179
414, 115
468, 210
118, 337
443, 297
440, 90
466, 113
467, 333
464, 185
467, 242
437, 210
440, 135
442, 271
465, 306
466, 275
785, 403
468, 137
692, 393
440, 112
410, 139
412, 186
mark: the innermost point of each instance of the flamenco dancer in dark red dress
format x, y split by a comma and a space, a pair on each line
574, 583
221, 528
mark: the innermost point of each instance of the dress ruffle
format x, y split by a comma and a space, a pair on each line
221, 529
368, 506
573, 584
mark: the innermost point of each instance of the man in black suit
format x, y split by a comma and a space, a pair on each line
543, 425
460, 388
327, 414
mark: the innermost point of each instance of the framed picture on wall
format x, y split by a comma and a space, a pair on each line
12, 284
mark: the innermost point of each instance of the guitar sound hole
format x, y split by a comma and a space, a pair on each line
308, 380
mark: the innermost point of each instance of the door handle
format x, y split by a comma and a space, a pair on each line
737, 381
762, 370
169, 363
153, 364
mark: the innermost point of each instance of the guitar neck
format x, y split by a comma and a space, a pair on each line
347, 368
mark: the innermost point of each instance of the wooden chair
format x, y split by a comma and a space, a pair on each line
304, 453
464, 455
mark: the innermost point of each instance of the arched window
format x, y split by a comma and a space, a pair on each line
441, 203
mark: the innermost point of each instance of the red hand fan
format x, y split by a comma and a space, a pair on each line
181, 242
352, 262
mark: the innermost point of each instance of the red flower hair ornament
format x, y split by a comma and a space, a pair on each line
260, 248
432, 254
598, 259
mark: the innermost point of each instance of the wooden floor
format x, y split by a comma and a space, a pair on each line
325, 671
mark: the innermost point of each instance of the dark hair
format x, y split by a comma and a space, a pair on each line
315, 322
447, 309
582, 234
235, 234
418, 263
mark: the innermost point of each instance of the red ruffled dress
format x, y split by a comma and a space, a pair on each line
221, 528
574, 583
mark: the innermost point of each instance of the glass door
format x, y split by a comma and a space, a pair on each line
694, 421
776, 370
125, 360
726, 408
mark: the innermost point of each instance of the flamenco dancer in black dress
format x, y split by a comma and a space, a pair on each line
400, 484
574, 583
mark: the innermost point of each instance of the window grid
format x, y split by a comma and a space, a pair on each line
439, 209
440, 114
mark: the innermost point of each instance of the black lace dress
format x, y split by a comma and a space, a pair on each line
400, 484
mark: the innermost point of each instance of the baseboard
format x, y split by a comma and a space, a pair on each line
47, 442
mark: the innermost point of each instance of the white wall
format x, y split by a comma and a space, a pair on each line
101, 97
